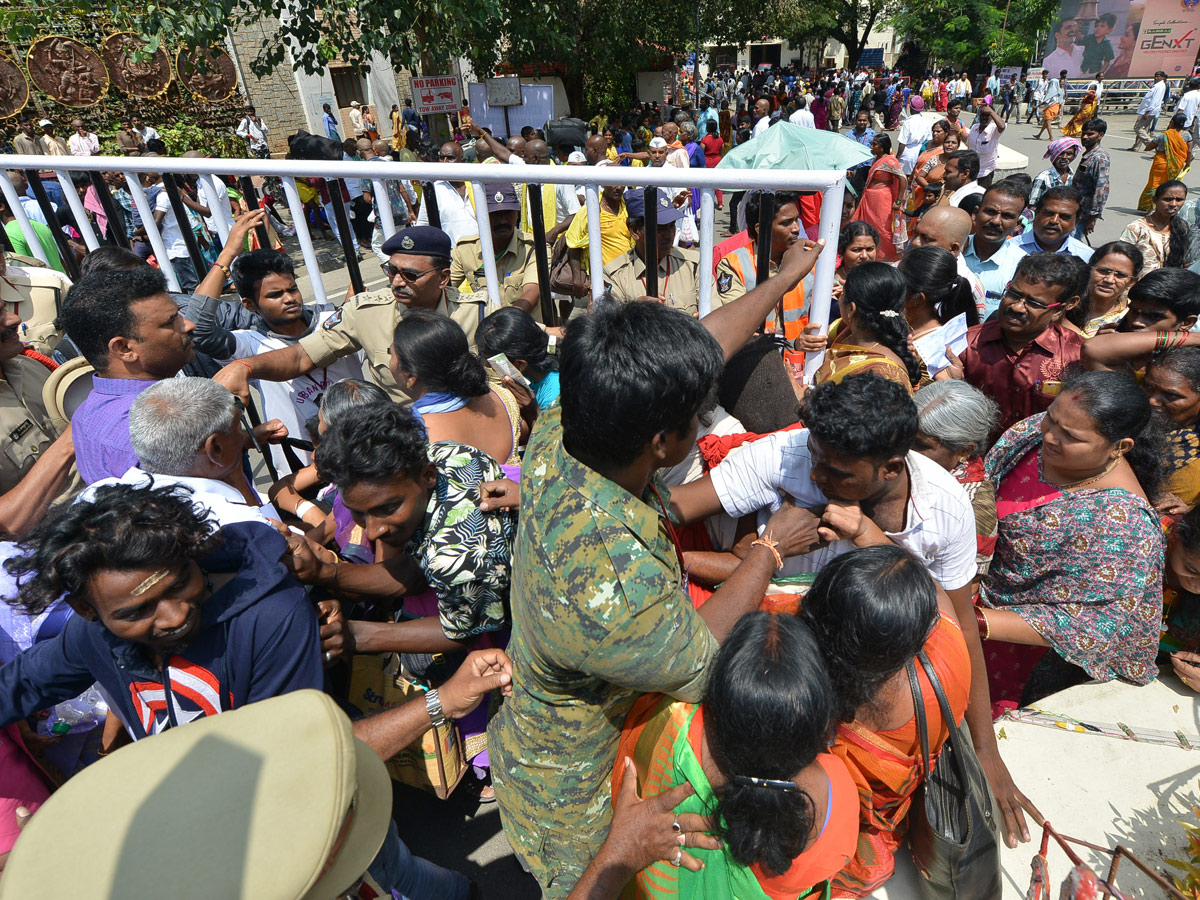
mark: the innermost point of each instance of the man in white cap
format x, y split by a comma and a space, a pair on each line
356, 118
51, 143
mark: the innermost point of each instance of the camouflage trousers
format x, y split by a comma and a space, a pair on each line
555, 858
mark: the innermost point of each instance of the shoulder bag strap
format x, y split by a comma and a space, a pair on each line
955, 738
919, 709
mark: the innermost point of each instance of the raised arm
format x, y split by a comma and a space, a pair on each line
735, 323
283, 364
1114, 350
498, 149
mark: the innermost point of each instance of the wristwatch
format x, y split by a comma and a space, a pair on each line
433, 706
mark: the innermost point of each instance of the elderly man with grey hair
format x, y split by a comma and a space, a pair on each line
957, 425
189, 432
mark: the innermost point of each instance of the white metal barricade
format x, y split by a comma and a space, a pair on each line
831, 184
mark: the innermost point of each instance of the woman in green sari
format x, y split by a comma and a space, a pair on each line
756, 754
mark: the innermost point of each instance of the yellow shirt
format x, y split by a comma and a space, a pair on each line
614, 233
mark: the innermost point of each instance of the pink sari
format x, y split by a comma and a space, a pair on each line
876, 205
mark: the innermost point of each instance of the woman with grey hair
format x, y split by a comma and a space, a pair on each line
287, 494
957, 422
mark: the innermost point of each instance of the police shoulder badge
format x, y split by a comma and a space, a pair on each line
333, 321
724, 282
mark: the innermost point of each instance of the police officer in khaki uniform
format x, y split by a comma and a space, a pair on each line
516, 265
25, 429
419, 269
678, 270
35, 292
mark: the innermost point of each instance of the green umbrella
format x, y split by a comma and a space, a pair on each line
788, 146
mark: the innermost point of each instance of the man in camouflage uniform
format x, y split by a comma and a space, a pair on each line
678, 270
419, 270
599, 606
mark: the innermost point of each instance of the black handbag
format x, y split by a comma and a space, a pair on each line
952, 829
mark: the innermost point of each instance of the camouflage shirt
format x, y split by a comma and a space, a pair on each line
599, 617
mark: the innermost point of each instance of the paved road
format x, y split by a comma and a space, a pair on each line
460, 834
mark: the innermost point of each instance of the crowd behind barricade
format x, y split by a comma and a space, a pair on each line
694, 624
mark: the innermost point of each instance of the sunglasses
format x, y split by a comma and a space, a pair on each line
410, 276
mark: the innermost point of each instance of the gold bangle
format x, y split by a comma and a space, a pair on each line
772, 546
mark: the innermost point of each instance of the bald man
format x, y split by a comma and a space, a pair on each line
456, 215
516, 144
596, 150
949, 227
536, 152
400, 199
762, 116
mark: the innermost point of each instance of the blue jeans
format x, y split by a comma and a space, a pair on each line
185, 273
396, 869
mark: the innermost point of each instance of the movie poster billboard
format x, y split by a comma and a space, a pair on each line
1124, 38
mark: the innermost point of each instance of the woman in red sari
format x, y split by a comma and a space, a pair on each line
872, 611
883, 197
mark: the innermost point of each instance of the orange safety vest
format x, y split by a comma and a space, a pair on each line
795, 307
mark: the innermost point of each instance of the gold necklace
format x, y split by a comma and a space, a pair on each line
1075, 485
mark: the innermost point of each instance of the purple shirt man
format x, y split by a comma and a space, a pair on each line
127, 326
101, 428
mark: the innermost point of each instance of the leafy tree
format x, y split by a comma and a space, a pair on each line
968, 31
850, 22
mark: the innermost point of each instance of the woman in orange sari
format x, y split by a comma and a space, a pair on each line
872, 611
930, 167
883, 197
1087, 111
1172, 155
755, 752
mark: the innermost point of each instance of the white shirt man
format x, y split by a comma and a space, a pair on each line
803, 117
1152, 100
939, 523
985, 142
83, 144
356, 118
253, 130
455, 211
914, 132
1148, 112
222, 504
1189, 105
762, 125
971, 187
294, 402
172, 236
1065, 58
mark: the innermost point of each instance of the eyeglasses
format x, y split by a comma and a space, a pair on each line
1112, 273
409, 276
449, 157
1028, 302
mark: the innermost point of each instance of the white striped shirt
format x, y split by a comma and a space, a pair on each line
939, 521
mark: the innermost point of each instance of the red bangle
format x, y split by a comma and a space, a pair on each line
985, 629
242, 362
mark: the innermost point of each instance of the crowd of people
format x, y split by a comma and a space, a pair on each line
669, 594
